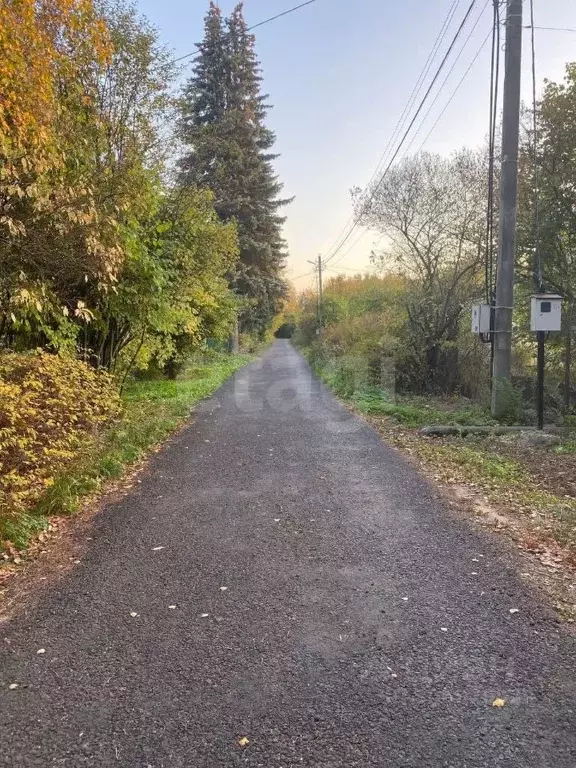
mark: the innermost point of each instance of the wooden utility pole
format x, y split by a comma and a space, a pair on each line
508, 208
319, 305
320, 297
234, 339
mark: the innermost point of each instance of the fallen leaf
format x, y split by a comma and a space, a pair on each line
157, 549
276, 519
204, 615
499, 703
13, 686
243, 742
172, 607
443, 629
514, 610
133, 614
40, 651
223, 589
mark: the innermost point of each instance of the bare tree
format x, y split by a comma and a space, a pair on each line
431, 211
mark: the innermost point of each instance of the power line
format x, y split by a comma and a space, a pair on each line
455, 91
280, 15
550, 29
537, 259
406, 133
255, 26
493, 119
350, 224
350, 247
356, 270
417, 88
299, 277
451, 70
354, 244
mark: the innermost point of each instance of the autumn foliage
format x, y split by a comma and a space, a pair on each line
50, 408
44, 49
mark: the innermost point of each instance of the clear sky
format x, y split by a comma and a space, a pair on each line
339, 73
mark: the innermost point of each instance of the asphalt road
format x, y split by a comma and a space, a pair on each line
311, 595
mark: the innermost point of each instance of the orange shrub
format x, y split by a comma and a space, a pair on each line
51, 408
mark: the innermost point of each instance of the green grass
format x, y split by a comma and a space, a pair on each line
412, 412
475, 463
152, 411
568, 447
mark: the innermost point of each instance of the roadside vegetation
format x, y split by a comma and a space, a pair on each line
396, 343
139, 232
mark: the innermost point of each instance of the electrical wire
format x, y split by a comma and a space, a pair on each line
455, 91
356, 270
350, 247
404, 116
551, 29
299, 277
417, 88
451, 70
376, 187
537, 256
255, 26
494, 84
343, 256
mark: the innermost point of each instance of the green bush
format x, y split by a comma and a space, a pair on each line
51, 409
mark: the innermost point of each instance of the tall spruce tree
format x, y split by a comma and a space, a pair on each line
228, 143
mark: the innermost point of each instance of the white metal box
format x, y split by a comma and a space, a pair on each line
481, 318
546, 314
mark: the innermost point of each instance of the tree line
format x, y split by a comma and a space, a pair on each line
431, 214
137, 219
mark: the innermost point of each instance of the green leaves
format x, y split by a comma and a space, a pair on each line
222, 124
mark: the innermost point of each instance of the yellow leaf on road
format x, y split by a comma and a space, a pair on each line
498, 703
243, 742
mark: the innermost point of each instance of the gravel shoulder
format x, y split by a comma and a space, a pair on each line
283, 589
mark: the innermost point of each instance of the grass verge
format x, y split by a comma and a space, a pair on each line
152, 410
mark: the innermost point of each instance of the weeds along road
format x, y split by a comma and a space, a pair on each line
282, 590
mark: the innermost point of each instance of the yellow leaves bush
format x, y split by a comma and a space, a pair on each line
51, 409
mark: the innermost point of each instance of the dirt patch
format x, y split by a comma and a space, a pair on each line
551, 471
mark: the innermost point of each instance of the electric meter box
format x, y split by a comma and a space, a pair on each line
546, 312
481, 318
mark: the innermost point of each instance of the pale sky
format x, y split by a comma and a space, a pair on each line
339, 73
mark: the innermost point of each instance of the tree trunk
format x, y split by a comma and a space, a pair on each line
234, 342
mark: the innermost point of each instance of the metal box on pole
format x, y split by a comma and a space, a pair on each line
481, 319
546, 312
545, 316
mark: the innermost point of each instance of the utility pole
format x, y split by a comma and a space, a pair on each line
319, 306
320, 296
508, 209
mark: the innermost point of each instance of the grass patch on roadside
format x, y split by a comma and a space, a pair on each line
410, 411
151, 411
452, 459
415, 412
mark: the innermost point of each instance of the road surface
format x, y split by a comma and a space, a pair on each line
283, 577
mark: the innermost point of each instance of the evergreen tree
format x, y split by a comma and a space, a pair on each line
223, 126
